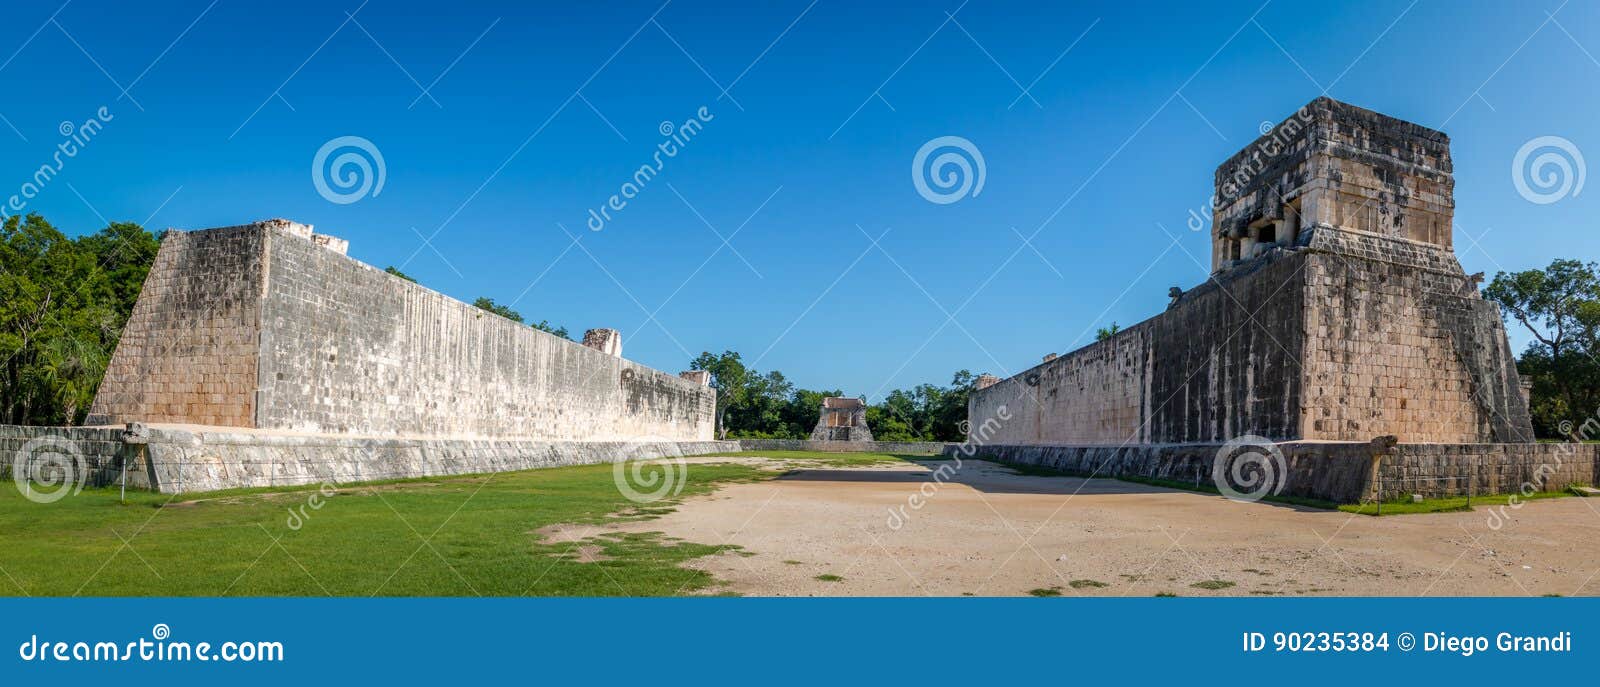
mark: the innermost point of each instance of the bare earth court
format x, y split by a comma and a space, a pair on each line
989, 531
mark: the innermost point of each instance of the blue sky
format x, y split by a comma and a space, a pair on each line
1098, 123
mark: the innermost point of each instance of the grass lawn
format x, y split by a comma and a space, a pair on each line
363, 540
1453, 504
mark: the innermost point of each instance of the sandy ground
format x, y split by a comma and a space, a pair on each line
990, 532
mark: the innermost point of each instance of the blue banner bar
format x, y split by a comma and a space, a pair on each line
725, 641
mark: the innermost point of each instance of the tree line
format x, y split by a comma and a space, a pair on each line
756, 405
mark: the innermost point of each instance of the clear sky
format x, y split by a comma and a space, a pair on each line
1099, 125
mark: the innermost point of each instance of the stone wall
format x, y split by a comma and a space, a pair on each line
350, 349
1338, 472
1398, 341
189, 350
1222, 361
261, 327
43, 452
181, 459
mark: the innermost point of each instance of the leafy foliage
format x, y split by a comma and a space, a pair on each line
63, 303
1560, 307
396, 272
753, 405
1104, 333
506, 312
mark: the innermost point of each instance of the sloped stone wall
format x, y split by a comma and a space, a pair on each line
1400, 342
188, 353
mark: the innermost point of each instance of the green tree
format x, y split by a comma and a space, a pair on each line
545, 326
729, 377
63, 304
489, 305
501, 310
1104, 333
1560, 307
396, 272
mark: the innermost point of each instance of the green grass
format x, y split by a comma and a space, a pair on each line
830, 459
364, 539
1045, 591
1212, 585
1203, 487
1082, 584
1451, 504
829, 577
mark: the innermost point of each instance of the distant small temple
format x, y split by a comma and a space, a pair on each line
843, 419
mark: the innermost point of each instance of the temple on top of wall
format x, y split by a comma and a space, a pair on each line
1337, 311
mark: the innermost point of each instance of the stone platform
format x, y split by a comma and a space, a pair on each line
1339, 472
177, 459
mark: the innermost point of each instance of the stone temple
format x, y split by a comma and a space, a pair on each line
1336, 312
842, 419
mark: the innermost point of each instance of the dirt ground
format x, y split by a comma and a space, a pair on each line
990, 532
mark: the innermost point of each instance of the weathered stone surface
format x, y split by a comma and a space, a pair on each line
180, 460
1340, 472
1338, 312
842, 419
260, 327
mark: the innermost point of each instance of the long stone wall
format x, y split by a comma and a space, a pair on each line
184, 459
1338, 472
350, 349
1345, 338
261, 327
1221, 362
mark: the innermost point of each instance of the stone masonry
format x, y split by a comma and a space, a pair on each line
264, 326
842, 419
1337, 312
